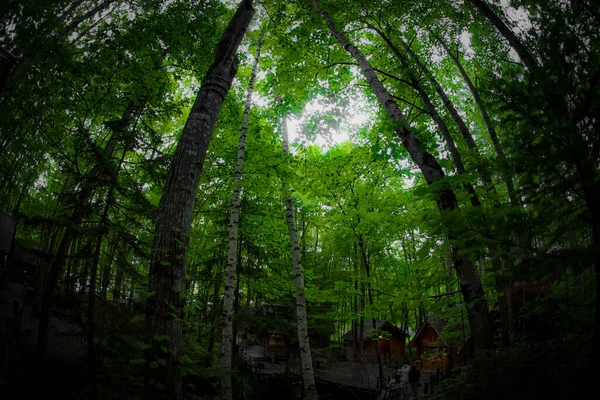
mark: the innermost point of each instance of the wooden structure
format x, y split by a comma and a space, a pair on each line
273, 330
432, 350
391, 339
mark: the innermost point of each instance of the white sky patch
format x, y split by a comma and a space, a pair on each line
355, 115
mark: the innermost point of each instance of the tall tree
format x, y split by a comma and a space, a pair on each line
232, 254
310, 388
486, 119
167, 273
471, 286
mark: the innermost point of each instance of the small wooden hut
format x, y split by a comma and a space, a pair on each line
391, 339
432, 350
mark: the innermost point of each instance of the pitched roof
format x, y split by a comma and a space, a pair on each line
435, 323
368, 325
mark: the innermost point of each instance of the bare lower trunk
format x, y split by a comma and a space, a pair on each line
232, 256
166, 278
117, 288
470, 283
366, 267
310, 388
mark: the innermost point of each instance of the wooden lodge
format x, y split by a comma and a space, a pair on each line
391, 339
432, 350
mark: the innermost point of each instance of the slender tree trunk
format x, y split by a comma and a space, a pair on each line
365, 263
310, 387
505, 31
28, 59
121, 262
464, 130
166, 278
212, 337
106, 272
66, 14
486, 119
92, 320
355, 325
232, 256
437, 118
471, 286
81, 210
79, 20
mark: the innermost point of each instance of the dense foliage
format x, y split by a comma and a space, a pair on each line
100, 91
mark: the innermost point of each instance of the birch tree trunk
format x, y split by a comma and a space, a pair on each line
470, 282
232, 254
301, 317
166, 278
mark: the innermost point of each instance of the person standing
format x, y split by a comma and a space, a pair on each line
414, 378
404, 371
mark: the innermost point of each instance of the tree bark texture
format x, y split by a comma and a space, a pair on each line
166, 278
470, 282
310, 387
232, 254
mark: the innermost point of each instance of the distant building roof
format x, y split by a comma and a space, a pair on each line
435, 323
438, 326
383, 325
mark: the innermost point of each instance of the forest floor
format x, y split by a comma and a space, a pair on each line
353, 376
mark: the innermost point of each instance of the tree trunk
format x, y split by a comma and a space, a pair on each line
464, 130
365, 263
471, 286
310, 387
486, 119
232, 256
92, 321
121, 261
80, 211
505, 31
106, 272
166, 278
437, 118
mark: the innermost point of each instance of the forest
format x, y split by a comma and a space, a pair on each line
219, 199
